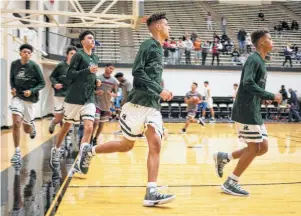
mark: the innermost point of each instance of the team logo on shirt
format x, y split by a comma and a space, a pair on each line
124, 116
246, 127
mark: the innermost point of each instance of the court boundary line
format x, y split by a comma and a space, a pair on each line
183, 186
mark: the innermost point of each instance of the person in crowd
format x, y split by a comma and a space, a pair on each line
173, 51
216, 46
224, 25
283, 92
181, 50
261, 16
295, 25
166, 46
209, 21
294, 107
249, 43
288, 55
193, 36
215, 36
188, 48
235, 56
205, 50
241, 36
197, 49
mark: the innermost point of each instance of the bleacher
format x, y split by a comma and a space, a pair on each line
184, 16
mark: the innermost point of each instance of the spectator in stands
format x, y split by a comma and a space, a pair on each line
215, 36
288, 53
285, 25
181, 50
295, 25
283, 92
209, 21
205, 50
294, 107
228, 46
224, 25
215, 47
235, 87
166, 46
224, 38
197, 49
278, 28
241, 37
249, 43
186, 35
188, 47
173, 51
261, 16
193, 36
235, 56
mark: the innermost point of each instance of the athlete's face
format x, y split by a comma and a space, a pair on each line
120, 79
109, 70
25, 54
266, 42
163, 28
70, 54
193, 87
88, 41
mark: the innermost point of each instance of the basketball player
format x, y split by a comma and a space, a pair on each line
26, 80
208, 103
60, 84
246, 114
103, 96
79, 101
141, 113
192, 107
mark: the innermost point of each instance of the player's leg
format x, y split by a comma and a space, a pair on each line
28, 119
104, 117
187, 123
17, 122
154, 135
58, 113
95, 125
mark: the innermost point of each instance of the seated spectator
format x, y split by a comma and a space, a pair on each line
227, 47
295, 25
197, 49
193, 36
261, 16
278, 28
215, 36
294, 107
235, 56
284, 25
224, 38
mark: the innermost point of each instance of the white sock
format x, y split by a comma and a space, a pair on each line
93, 150
234, 177
151, 184
17, 149
230, 156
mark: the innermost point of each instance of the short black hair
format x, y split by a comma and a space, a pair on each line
26, 46
235, 84
195, 83
155, 17
257, 34
109, 65
119, 74
83, 34
206, 82
70, 48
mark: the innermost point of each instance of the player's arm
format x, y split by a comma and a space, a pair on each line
73, 71
187, 99
209, 93
140, 75
251, 69
40, 78
12, 77
54, 75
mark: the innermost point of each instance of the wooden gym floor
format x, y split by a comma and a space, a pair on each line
115, 184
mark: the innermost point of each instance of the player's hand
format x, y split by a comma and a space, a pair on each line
27, 93
278, 98
58, 86
93, 68
14, 92
266, 102
98, 83
112, 94
166, 95
99, 92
